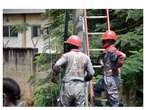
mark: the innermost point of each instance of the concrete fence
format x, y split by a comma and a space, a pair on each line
18, 64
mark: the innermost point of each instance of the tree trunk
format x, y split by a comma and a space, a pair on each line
66, 29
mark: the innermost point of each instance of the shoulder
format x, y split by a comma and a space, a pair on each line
119, 53
66, 54
115, 51
84, 55
111, 48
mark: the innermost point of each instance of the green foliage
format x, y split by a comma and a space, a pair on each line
132, 75
131, 41
128, 24
96, 25
42, 61
55, 27
132, 71
46, 92
134, 14
46, 95
20, 27
125, 20
45, 60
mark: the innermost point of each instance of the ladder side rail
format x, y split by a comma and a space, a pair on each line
86, 31
108, 19
87, 47
85, 51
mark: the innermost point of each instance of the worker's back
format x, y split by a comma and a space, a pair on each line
72, 91
76, 63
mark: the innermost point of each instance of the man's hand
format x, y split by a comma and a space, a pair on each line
88, 77
56, 69
54, 79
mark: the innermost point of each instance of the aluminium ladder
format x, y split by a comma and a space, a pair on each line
87, 51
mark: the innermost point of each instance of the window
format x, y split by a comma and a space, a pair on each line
36, 31
12, 32
5, 31
8, 31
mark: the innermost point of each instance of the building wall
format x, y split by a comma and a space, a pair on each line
32, 19
18, 64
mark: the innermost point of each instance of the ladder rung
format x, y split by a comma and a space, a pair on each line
101, 99
97, 66
95, 33
94, 17
96, 49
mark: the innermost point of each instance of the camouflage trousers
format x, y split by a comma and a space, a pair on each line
111, 85
72, 94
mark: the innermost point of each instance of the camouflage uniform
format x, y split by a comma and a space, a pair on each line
112, 61
73, 85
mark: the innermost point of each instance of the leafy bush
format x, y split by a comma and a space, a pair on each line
46, 95
132, 75
132, 71
46, 92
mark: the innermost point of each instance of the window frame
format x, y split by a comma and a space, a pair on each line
9, 32
38, 33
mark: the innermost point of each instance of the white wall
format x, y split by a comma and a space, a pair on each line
32, 19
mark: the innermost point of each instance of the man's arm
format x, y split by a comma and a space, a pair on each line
121, 58
90, 70
59, 63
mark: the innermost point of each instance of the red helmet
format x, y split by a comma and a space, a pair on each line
73, 40
109, 35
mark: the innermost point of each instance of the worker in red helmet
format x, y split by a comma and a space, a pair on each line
76, 64
112, 60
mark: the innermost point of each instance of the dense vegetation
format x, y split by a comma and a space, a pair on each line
127, 23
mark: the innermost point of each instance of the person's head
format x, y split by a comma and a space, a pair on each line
73, 42
11, 92
108, 38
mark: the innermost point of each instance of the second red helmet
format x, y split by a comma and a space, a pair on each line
109, 35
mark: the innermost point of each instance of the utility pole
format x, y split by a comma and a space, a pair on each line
78, 30
78, 22
78, 25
